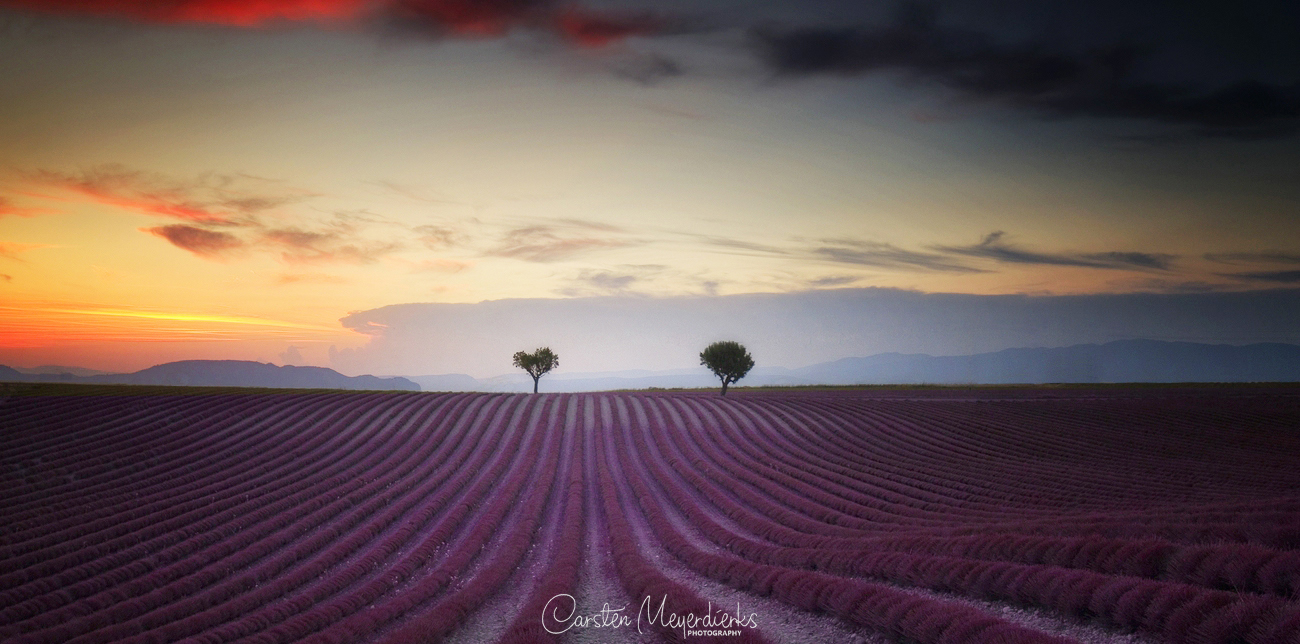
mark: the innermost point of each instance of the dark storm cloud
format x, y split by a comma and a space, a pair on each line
1045, 78
993, 247
200, 241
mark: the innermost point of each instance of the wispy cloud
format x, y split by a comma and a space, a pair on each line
212, 199
13, 250
732, 243
884, 255
550, 243
993, 247
309, 278
650, 69
438, 237
9, 208
301, 246
1275, 277
200, 241
833, 280
617, 280
441, 266
1037, 76
608, 281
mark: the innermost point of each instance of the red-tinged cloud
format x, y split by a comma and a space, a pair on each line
8, 207
200, 241
12, 250
209, 199
475, 18
232, 13
299, 246
598, 29
442, 18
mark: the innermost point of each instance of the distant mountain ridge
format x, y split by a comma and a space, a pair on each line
59, 369
225, 373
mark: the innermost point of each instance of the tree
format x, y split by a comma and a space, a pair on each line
728, 360
537, 363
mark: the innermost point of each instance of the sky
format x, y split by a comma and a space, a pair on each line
290, 181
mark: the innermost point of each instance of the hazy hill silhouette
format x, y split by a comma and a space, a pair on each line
1119, 361
227, 373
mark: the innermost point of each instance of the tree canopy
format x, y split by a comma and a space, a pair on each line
537, 363
728, 360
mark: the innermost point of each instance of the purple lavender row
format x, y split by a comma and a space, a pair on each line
220, 545
562, 575
861, 603
98, 547
437, 553
640, 577
516, 516
213, 444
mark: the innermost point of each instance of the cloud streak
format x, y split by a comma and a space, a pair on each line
993, 247
1262, 257
1274, 277
9, 208
212, 199
545, 243
200, 241
298, 246
882, 255
13, 250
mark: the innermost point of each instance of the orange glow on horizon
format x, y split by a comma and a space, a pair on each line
189, 317
39, 326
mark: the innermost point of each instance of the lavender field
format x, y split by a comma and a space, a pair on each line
1162, 514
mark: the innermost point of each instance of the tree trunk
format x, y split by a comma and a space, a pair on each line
535, 385
724, 387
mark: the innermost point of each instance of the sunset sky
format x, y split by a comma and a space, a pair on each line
259, 180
